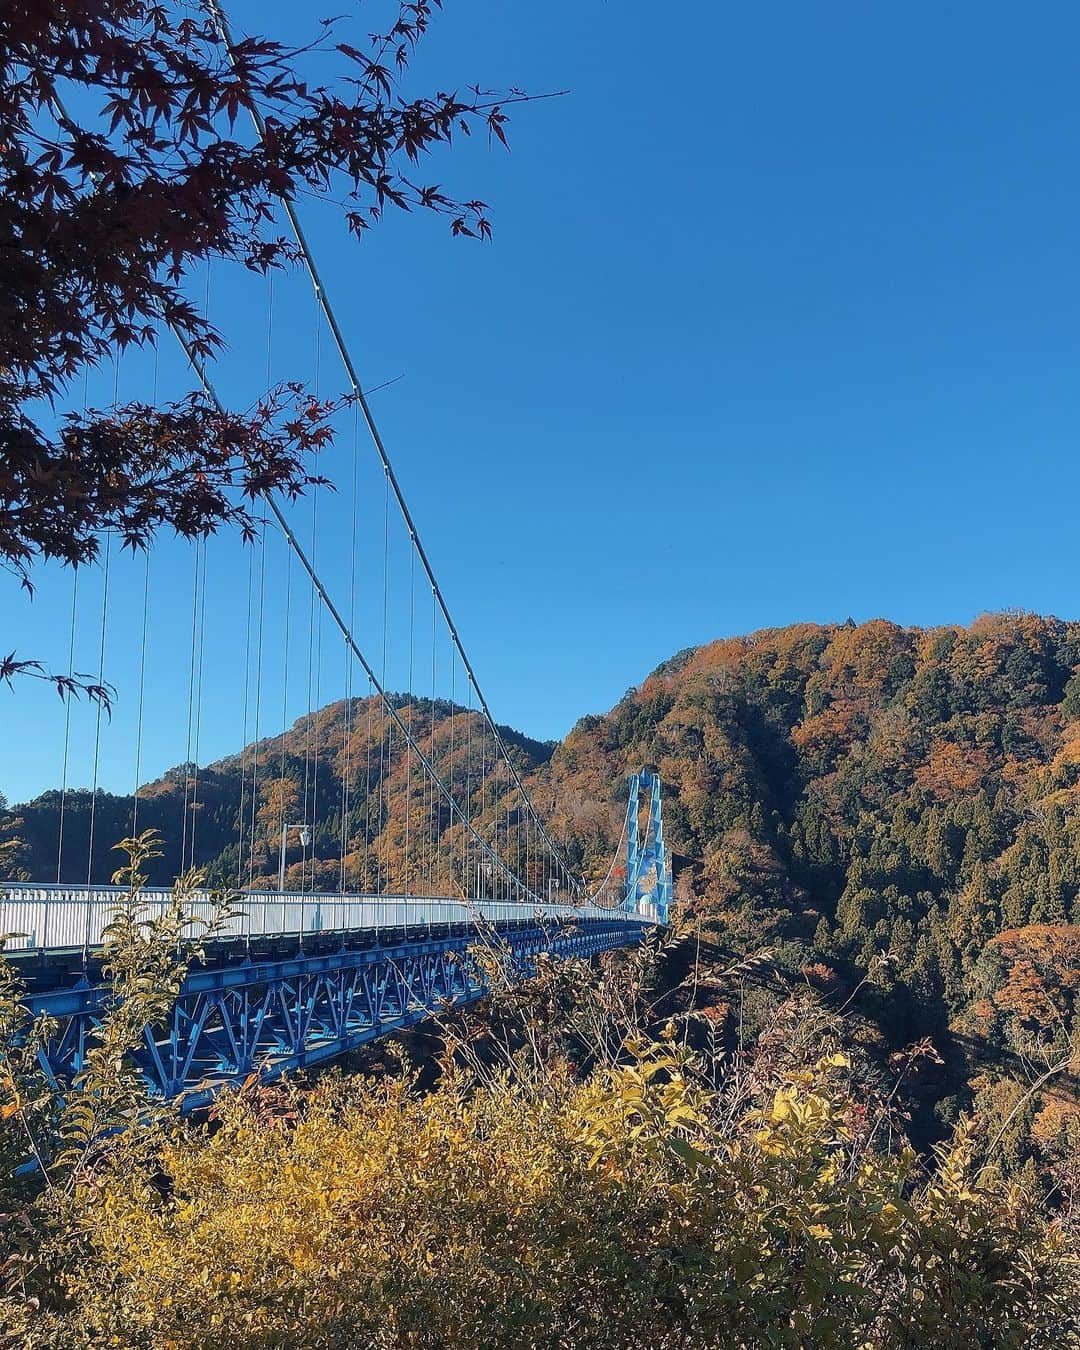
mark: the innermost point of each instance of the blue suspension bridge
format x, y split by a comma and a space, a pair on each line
419, 841
290, 980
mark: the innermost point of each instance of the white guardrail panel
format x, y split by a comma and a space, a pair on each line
38, 917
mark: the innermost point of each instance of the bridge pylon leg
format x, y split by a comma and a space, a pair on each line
647, 861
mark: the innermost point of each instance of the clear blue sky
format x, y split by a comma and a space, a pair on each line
779, 323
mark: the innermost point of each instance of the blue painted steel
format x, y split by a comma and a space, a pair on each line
273, 1015
648, 867
633, 842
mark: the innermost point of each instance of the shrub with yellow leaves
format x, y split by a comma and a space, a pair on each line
652, 1195
634, 1208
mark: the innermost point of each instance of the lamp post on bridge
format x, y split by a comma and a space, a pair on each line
305, 839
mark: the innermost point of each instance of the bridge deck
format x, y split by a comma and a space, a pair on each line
65, 917
276, 1001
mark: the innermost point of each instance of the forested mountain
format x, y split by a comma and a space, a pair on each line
888, 810
897, 804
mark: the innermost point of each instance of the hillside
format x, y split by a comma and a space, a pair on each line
871, 802
897, 803
344, 764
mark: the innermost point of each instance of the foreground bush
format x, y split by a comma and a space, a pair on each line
640, 1208
602, 1186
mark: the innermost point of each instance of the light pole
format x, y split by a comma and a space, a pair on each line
305, 839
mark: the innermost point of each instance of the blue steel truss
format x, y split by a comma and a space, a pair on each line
288, 1012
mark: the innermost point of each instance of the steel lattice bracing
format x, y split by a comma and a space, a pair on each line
278, 1012
648, 867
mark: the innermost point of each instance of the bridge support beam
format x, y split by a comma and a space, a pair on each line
648, 867
280, 1015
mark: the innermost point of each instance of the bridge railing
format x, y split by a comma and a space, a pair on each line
43, 917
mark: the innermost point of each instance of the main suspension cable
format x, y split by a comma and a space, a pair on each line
323, 300
335, 614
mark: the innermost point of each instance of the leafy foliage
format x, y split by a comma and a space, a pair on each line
893, 810
480, 1218
579, 1174
57, 1140
644, 1205
124, 170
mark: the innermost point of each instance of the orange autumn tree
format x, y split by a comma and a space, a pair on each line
1038, 969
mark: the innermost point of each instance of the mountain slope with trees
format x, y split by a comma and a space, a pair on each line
884, 804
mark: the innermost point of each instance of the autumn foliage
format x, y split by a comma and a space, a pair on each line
572, 1178
141, 143
635, 1208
